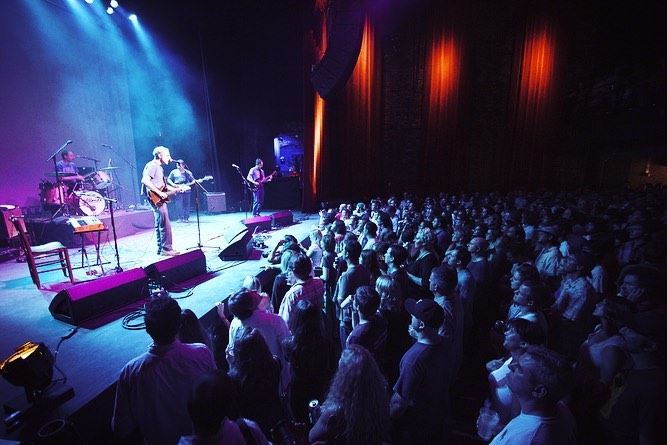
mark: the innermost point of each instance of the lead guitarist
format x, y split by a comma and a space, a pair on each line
153, 180
257, 179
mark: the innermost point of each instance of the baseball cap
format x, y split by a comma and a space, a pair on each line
427, 311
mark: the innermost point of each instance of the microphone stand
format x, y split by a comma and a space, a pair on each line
246, 187
198, 187
58, 181
111, 203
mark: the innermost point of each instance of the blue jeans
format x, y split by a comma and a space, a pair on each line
257, 200
162, 228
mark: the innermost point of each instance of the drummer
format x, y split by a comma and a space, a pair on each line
67, 165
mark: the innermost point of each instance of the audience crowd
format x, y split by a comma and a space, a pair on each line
523, 318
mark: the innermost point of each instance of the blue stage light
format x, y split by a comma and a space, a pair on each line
113, 3
133, 18
109, 10
90, 2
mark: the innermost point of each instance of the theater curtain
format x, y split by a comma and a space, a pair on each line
442, 94
533, 105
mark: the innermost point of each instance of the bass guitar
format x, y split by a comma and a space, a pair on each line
262, 181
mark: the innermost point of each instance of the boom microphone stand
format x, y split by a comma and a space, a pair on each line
58, 181
198, 189
246, 187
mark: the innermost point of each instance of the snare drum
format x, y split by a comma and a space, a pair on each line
89, 203
52, 194
100, 180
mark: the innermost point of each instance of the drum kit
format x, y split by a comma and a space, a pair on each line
85, 197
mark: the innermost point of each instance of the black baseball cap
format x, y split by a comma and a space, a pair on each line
428, 311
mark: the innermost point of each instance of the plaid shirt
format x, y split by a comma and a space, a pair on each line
575, 299
311, 290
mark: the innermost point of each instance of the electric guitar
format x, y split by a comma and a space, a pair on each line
262, 181
155, 199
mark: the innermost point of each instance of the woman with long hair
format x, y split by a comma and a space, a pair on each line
356, 410
257, 374
308, 353
191, 330
369, 260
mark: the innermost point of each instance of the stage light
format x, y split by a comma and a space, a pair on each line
133, 18
109, 10
113, 4
31, 367
90, 2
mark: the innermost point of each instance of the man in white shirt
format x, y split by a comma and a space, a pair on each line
539, 379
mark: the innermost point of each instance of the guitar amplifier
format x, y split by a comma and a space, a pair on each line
83, 224
216, 202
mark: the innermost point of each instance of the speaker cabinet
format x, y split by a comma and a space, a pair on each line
88, 300
172, 271
345, 25
282, 219
237, 243
257, 223
216, 202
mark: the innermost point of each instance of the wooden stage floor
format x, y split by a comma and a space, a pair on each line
92, 358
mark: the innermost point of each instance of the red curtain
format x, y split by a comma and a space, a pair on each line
532, 104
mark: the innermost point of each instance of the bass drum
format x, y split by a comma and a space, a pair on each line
89, 203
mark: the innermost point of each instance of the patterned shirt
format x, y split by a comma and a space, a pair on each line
311, 290
575, 298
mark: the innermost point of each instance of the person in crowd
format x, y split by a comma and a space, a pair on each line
281, 284
369, 327
305, 287
152, 389
395, 258
355, 410
191, 330
420, 404
443, 283
211, 406
369, 234
539, 379
548, 256
528, 302
419, 269
330, 278
308, 352
635, 410
252, 282
458, 259
356, 275
519, 334
314, 251
288, 243
369, 260
257, 374
575, 300
398, 320
243, 305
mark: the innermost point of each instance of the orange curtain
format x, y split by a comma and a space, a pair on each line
533, 99
442, 90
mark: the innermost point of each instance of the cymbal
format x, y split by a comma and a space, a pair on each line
62, 175
109, 168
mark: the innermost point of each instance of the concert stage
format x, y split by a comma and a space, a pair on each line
93, 357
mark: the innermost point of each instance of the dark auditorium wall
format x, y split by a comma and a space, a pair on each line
498, 136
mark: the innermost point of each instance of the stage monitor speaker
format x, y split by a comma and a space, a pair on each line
237, 243
7, 229
172, 271
282, 219
88, 300
216, 202
345, 25
257, 223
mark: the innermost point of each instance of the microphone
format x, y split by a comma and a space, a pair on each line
235, 166
180, 161
106, 145
69, 141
